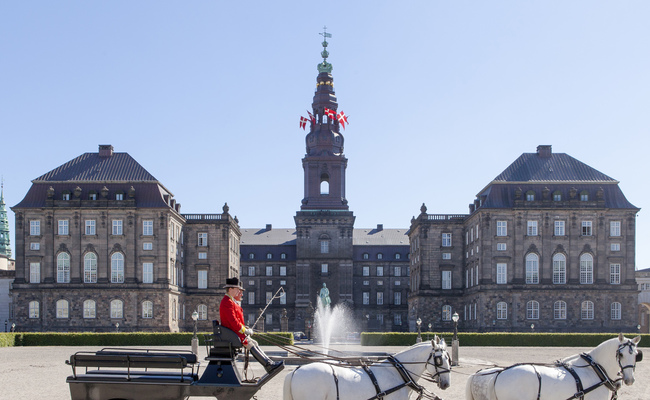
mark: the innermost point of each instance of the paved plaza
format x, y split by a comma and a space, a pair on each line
40, 372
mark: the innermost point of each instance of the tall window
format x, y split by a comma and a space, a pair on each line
559, 269
587, 310
532, 268
90, 227
502, 228
34, 272
559, 228
203, 239
559, 310
251, 297
380, 298
586, 269
586, 228
34, 311
532, 310
615, 228
35, 228
147, 309
324, 246
202, 309
397, 271
63, 227
502, 273
366, 271
283, 298
502, 310
446, 312
251, 271
398, 256
557, 196
269, 271
90, 268
616, 310
615, 274
117, 227
446, 239
147, 227
117, 309
90, 309
203, 279
380, 256
147, 272
397, 298
446, 279
62, 308
501, 247
324, 269
615, 247
366, 298
584, 196
117, 268
283, 270
380, 271
397, 319
530, 195
63, 268
532, 228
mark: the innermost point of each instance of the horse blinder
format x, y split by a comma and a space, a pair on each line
639, 356
437, 361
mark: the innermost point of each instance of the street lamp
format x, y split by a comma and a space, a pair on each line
418, 322
13, 327
195, 340
117, 327
532, 327
454, 341
368, 322
428, 331
5, 325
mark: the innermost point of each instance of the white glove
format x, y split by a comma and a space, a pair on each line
248, 332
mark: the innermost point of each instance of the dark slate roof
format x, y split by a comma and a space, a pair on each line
119, 167
365, 237
559, 167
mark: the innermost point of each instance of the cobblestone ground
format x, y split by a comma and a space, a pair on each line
40, 372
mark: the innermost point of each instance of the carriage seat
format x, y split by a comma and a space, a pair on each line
225, 342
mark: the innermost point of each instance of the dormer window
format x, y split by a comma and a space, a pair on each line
92, 196
557, 196
119, 196
584, 196
269, 256
398, 256
366, 256
380, 256
530, 195
65, 195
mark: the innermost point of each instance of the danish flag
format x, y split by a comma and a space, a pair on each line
303, 122
343, 119
329, 113
311, 117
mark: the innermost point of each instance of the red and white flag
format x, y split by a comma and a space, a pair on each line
329, 113
303, 122
343, 119
311, 117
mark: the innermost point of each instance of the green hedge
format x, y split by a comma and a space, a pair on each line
118, 339
500, 339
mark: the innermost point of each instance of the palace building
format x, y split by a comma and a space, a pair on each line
548, 245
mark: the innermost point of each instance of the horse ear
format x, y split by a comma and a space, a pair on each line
636, 340
436, 339
621, 337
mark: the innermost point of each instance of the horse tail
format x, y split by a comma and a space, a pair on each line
286, 391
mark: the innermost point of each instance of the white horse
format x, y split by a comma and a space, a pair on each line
583, 376
393, 377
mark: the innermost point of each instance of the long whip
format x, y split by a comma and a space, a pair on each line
275, 296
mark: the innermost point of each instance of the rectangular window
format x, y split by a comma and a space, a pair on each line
203, 239
269, 282
35, 228
615, 228
397, 319
446, 240
380, 271
446, 256
366, 298
147, 227
268, 321
397, 271
502, 228
559, 228
251, 299
366, 271
147, 272
380, 298
398, 298
283, 271
269, 271
283, 296
615, 247
269, 296
35, 272
251, 271
63, 227
203, 279
366, 283
501, 247
616, 311
586, 228
147, 246
34, 246
324, 246
90, 227
119, 196
615, 274
380, 283
502, 273
324, 268
446, 279
203, 255
117, 227
531, 228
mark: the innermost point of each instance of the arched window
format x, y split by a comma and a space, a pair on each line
90, 268
324, 185
117, 309
147, 309
366, 256
202, 309
616, 310
62, 308
446, 313
89, 309
34, 309
532, 268
532, 310
380, 256
559, 310
587, 310
559, 269
63, 268
586, 269
117, 268
398, 256
502, 310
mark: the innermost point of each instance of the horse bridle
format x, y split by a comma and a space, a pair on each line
630, 346
437, 356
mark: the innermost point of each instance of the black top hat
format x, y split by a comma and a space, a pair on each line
233, 282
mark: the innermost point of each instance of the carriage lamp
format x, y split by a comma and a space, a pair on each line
117, 327
638, 327
418, 322
13, 327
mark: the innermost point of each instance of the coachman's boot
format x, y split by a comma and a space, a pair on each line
269, 365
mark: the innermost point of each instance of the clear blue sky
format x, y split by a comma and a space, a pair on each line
441, 96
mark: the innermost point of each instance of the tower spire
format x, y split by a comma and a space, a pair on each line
325, 66
5, 243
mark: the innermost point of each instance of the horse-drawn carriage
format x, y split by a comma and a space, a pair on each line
125, 373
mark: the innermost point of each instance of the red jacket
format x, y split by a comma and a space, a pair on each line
232, 317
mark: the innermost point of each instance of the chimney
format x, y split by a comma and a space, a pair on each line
380, 227
105, 150
269, 227
544, 151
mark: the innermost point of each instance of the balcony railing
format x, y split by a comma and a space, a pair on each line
446, 217
202, 217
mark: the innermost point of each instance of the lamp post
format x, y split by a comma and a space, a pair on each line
5, 325
368, 322
454, 341
195, 340
13, 327
308, 329
532, 327
117, 327
428, 331
418, 322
